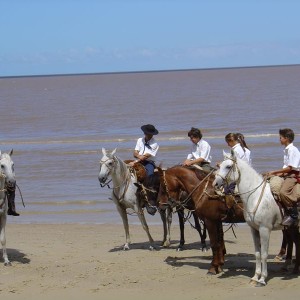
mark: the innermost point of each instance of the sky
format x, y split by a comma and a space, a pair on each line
46, 37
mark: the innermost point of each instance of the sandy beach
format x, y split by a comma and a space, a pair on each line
87, 262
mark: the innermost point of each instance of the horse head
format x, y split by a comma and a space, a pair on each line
228, 171
107, 164
169, 190
7, 168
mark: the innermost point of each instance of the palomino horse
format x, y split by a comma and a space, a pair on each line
207, 205
261, 212
7, 178
124, 191
147, 193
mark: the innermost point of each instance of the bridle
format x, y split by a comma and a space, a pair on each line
110, 167
183, 203
235, 167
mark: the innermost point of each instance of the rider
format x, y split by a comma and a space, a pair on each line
10, 192
238, 145
200, 151
146, 149
290, 173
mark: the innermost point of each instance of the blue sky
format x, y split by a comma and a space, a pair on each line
40, 37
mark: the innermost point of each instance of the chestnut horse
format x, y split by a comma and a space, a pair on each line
207, 205
147, 194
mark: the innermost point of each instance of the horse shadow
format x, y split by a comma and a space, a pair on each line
158, 246
240, 264
15, 255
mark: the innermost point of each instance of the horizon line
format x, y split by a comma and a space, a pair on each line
149, 71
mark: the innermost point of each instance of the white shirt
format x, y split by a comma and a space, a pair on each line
200, 150
143, 149
291, 157
240, 153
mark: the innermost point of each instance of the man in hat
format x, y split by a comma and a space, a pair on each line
146, 149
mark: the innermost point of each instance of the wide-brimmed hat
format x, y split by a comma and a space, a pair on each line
149, 129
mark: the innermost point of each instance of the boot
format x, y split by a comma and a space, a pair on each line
292, 217
11, 203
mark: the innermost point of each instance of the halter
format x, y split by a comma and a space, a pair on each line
232, 169
126, 180
109, 168
183, 203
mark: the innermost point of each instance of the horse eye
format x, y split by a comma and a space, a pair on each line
228, 167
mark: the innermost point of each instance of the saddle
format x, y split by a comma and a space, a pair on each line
275, 185
138, 169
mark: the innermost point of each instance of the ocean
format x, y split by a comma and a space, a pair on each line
57, 126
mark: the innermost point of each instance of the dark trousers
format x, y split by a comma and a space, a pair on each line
149, 166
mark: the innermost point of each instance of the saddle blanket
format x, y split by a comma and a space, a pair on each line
276, 183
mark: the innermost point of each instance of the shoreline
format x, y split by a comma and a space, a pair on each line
72, 261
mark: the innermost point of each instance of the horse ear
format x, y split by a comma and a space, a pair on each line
11, 152
159, 170
232, 154
104, 151
114, 151
225, 154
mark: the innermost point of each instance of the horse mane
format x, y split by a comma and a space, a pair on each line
244, 163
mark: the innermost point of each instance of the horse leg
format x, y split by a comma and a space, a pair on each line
169, 223
296, 239
201, 232
256, 239
296, 269
164, 221
123, 214
289, 246
141, 216
166, 217
3, 240
215, 247
282, 252
180, 213
264, 233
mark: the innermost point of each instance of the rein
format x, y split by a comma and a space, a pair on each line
183, 203
264, 183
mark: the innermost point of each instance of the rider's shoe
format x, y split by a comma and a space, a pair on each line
12, 213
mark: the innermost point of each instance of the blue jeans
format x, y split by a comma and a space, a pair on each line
149, 166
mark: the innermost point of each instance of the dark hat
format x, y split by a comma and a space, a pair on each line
149, 129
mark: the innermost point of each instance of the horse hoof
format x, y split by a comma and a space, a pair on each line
152, 248
278, 258
126, 247
260, 284
179, 249
7, 263
252, 282
210, 273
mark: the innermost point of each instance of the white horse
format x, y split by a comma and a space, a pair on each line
261, 212
7, 178
124, 191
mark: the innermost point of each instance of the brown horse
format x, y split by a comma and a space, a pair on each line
147, 193
208, 206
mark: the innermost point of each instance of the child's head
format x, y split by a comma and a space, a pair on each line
287, 133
